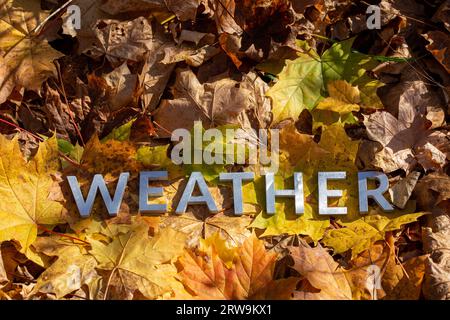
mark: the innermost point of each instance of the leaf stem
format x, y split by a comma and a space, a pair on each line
62, 234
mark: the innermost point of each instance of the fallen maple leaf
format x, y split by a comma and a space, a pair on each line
136, 262
303, 81
250, 276
26, 57
360, 234
324, 274
343, 99
406, 139
25, 189
214, 103
121, 41
69, 272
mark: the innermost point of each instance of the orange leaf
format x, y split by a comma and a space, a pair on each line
250, 276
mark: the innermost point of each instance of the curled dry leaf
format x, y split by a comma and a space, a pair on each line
439, 44
437, 244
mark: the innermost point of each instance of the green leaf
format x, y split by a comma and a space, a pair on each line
75, 152
303, 81
340, 62
156, 157
299, 87
121, 133
153, 156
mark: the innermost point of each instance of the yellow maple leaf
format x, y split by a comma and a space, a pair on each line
137, 262
69, 272
26, 57
24, 191
362, 233
343, 99
225, 251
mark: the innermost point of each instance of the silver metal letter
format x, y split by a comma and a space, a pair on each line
145, 191
297, 193
237, 178
98, 183
324, 193
376, 194
187, 198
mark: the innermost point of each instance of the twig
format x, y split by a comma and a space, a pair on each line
77, 130
39, 139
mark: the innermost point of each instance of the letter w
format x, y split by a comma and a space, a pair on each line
98, 183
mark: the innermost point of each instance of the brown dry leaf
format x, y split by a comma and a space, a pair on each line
301, 5
443, 14
433, 193
225, 17
184, 10
402, 190
114, 7
26, 57
433, 190
408, 286
198, 223
219, 102
389, 279
109, 158
3, 275
91, 13
366, 285
233, 229
155, 74
58, 114
439, 47
194, 57
121, 87
436, 240
406, 139
327, 279
121, 41
250, 276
